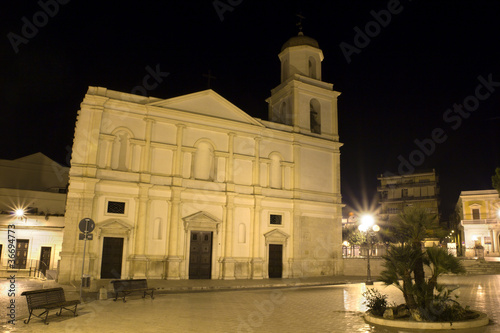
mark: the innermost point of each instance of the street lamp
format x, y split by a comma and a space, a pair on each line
20, 214
369, 227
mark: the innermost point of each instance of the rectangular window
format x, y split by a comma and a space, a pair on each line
476, 215
275, 219
116, 207
404, 193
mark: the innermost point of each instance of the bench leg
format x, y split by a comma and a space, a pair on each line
116, 297
70, 310
150, 294
29, 318
46, 315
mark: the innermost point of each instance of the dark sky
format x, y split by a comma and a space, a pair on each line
397, 87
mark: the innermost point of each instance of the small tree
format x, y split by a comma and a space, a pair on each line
495, 180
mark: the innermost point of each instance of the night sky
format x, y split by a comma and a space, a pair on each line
414, 76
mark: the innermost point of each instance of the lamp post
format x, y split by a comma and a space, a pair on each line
369, 227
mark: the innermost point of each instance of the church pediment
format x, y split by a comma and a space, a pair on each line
201, 221
114, 227
276, 236
207, 103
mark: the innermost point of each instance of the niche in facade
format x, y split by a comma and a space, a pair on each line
204, 161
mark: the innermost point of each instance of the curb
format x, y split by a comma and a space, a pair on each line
483, 320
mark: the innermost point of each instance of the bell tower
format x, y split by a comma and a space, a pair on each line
302, 100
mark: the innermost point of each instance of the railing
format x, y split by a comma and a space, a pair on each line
480, 221
410, 198
406, 184
357, 251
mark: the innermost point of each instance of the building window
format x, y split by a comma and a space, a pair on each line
476, 215
116, 207
275, 219
404, 193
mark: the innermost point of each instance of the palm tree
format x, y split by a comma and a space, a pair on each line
440, 262
406, 261
413, 225
398, 264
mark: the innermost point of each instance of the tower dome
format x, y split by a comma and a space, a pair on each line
299, 40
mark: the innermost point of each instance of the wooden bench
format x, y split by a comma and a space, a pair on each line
127, 287
48, 299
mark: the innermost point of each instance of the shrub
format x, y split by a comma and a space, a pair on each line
375, 301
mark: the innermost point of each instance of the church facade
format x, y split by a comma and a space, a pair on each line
192, 187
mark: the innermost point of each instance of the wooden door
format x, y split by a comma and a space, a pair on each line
200, 255
44, 259
275, 260
22, 253
112, 252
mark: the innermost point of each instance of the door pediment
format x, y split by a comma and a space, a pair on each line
276, 236
114, 227
201, 221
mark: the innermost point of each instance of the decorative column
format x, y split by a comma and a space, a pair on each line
228, 262
145, 164
139, 259
296, 170
257, 261
173, 258
230, 163
256, 164
178, 158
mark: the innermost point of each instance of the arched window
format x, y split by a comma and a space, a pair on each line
121, 151
312, 67
315, 116
204, 161
275, 171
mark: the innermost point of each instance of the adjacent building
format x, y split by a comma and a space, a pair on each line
35, 187
193, 187
480, 221
417, 189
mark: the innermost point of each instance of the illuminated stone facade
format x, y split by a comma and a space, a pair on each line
480, 221
416, 190
37, 185
193, 187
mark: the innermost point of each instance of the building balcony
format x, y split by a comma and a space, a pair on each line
406, 185
408, 199
481, 221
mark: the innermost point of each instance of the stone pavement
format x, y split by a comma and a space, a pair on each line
327, 304
162, 287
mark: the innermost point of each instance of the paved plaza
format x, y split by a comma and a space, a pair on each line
327, 308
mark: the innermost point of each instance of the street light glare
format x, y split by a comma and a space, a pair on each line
19, 212
367, 220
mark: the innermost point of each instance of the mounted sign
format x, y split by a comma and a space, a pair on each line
89, 236
86, 225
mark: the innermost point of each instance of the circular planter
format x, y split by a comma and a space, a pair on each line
482, 320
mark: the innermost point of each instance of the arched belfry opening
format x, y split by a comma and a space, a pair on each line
315, 116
